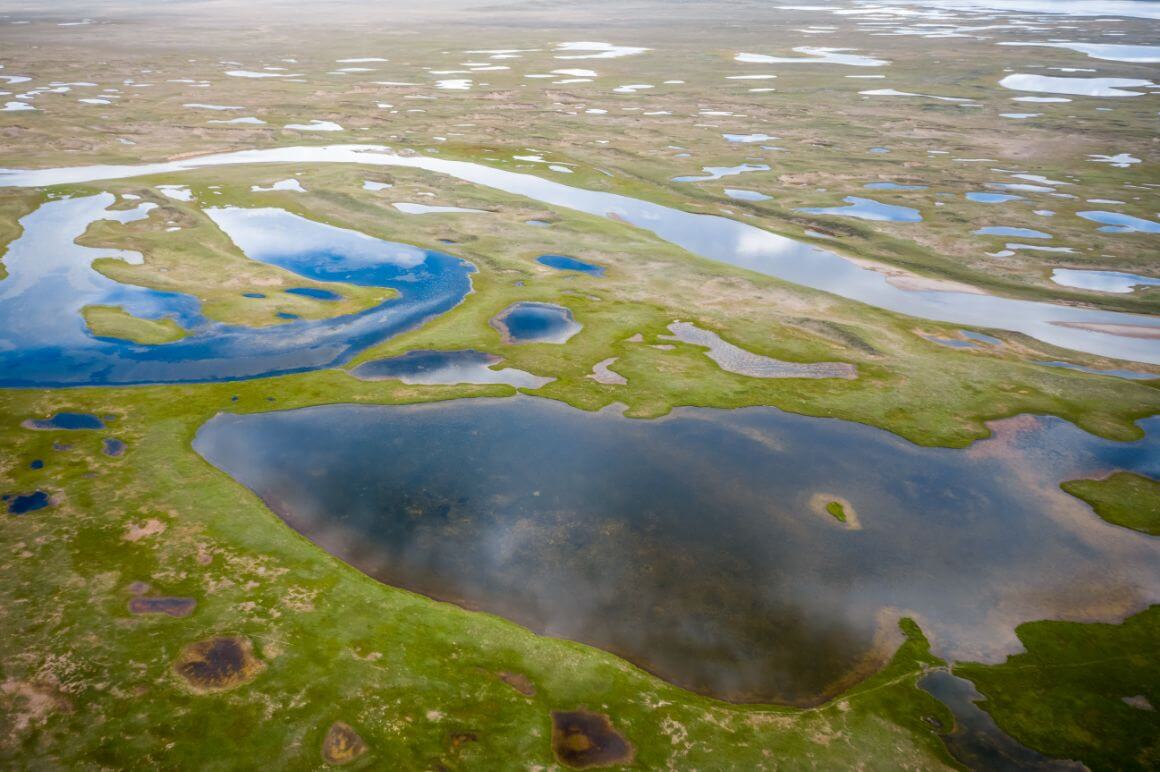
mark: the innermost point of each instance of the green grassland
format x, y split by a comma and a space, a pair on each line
116, 322
1080, 691
86, 683
1123, 498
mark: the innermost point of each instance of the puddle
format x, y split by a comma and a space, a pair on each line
1114, 222
1102, 281
535, 323
1133, 375
410, 208
22, 504
68, 421
1093, 87
1111, 52
815, 55
432, 368
746, 195
617, 532
868, 209
565, 263
717, 172
735, 359
1003, 230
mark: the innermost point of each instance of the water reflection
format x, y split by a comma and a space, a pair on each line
688, 544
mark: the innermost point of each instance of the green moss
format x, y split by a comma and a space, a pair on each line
836, 509
1075, 692
1124, 498
116, 322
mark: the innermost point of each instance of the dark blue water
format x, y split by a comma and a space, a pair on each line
113, 447
565, 263
698, 545
314, 292
253, 295
417, 364
429, 283
536, 323
71, 421
36, 464
22, 504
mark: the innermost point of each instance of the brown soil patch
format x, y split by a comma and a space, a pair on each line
582, 739
138, 532
342, 744
218, 664
174, 607
520, 682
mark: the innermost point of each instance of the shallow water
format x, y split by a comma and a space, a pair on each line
745, 195
1115, 222
868, 209
447, 368
44, 340
710, 236
1102, 281
689, 545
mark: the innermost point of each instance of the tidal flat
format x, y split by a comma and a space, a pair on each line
727, 385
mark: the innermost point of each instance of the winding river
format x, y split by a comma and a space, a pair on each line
710, 236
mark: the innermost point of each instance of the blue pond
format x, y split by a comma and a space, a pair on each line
113, 447
565, 263
36, 464
314, 292
253, 295
1114, 222
535, 323
892, 186
71, 421
992, 198
868, 209
44, 341
22, 503
1003, 230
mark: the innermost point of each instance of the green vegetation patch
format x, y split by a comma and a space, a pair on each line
836, 509
1080, 691
116, 322
1124, 498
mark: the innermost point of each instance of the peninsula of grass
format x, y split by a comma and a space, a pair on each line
116, 322
1124, 498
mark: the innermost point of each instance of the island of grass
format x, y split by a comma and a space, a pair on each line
1080, 691
836, 509
116, 322
1124, 498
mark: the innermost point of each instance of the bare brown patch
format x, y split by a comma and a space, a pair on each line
459, 739
150, 527
218, 664
27, 705
582, 739
520, 682
174, 607
342, 744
